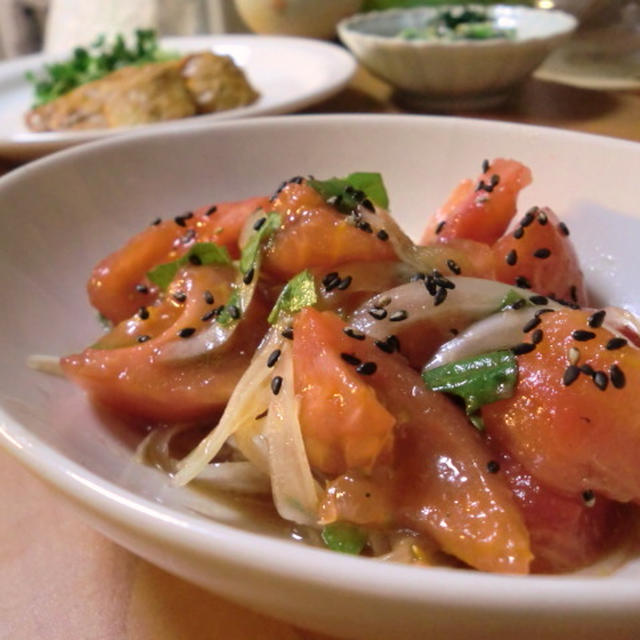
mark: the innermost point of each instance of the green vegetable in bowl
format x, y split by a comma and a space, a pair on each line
458, 23
95, 62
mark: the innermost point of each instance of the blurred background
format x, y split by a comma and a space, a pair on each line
27, 26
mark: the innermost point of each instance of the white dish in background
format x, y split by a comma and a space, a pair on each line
78, 205
606, 59
443, 75
290, 74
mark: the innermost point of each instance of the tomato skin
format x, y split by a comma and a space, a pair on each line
316, 235
135, 380
477, 214
523, 254
439, 484
566, 532
578, 437
112, 287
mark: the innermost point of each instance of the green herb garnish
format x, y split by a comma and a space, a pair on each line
201, 252
478, 381
298, 293
512, 300
95, 62
250, 251
347, 193
344, 537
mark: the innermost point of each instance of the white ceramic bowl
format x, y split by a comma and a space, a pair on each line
60, 214
454, 75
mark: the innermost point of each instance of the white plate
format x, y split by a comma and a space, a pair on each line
604, 59
290, 74
75, 206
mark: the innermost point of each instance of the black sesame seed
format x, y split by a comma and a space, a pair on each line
444, 282
518, 304
156, 222
208, 296
618, 379
363, 225
570, 375
536, 336
385, 346
398, 316
531, 324
181, 221
485, 166
538, 300
212, 313
350, 359
589, 498
143, 338
143, 313
378, 314
440, 226
539, 312
493, 466
495, 179
518, 233
394, 342
529, 217
247, 278
367, 368
179, 296
454, 267
481, 186
522, 348
195, 260
344, 283
615, 343
287, 333
273, 358
383, 235
211, 210
142, 288
587, 369
367, 204
353, 333
383, 302
276, 385
542, 253
257, 225
564, 230
542, 218
440, 297
582, 336
297, 180
233, 311
430, 285
596, 319
330, 277
523, 283
187, 332
601, 380
511, 258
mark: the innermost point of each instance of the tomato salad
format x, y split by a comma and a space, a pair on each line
454, 402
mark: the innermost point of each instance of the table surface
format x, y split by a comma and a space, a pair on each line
61, 580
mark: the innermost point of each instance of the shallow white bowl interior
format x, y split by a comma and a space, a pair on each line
61, 214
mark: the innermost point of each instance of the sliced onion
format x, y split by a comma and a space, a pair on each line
237, 477
295, 492
249, 399
470, 300
45, 364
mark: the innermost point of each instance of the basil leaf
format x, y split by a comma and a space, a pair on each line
478, 381
251, 249
347, 193
344, 537
204, 252
298, 293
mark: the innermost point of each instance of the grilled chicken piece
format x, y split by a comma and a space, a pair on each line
198, 83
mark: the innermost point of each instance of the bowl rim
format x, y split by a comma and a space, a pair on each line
346, 28
471, 591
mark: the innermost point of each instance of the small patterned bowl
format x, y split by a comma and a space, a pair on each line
442, 75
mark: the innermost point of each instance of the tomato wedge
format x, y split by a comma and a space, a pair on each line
316, 234
575, 427
439, 481
540, 256
480, 209
133, 372
118, 285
